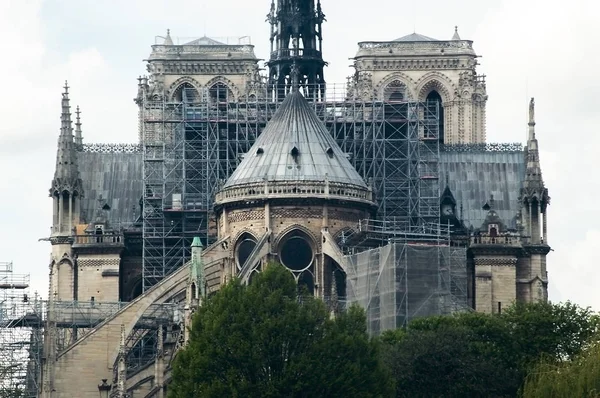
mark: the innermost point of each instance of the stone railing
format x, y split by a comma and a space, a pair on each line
111, 239
164, 52
279, 189
300, 52
411, 47
111, 148
505, 240
483, 147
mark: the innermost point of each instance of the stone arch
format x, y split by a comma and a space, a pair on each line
233, 90
241, 253
299, 227
179, 83
408, 82
435, 81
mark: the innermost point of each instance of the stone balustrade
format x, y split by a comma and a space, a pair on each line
279, 189
502, 240
111, 239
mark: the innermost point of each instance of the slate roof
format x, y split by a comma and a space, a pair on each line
295, 127
118, 178
415, 37
474, 176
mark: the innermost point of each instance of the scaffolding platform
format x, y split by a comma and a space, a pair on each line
406, 279
21, 322
193, 141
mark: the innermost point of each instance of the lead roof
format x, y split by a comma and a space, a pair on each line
295, 146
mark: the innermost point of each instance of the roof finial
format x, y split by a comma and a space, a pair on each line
66, 88
168, 41
456, 36
532, 119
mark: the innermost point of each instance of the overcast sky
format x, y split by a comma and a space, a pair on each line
545, 49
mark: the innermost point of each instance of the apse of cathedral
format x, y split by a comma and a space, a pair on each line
386, 195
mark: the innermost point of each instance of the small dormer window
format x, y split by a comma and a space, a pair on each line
493, 230
99, 229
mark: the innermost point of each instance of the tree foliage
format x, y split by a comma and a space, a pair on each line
579, 377
268, 340
475, 354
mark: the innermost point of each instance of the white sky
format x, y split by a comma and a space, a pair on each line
529, 48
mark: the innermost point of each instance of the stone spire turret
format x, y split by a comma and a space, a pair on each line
533, 177
534, 195
66, 174
78, 134
66, 186
296, 42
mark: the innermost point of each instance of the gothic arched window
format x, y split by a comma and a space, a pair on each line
394, 91
219, 92
435, 107
185, 93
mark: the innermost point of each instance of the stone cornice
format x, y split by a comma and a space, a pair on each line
498, 261
537, 249
223, 67
496, 250
394, 63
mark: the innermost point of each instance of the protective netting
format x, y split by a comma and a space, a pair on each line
401, 281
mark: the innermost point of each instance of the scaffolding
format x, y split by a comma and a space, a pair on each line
194, 140
21, 333
408, 278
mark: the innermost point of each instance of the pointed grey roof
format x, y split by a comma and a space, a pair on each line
204, 41
295, 146
533, 186
66, 173
456, 36
415, 37
168, 41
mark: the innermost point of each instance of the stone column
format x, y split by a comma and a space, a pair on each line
60, 212
545, 227
70, 198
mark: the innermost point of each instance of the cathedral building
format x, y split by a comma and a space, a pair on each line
387, 195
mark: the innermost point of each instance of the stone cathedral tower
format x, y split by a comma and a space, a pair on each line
66, 192
420, 68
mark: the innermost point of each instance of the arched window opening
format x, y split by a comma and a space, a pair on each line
394, 91
186, 93
219, 92
340, 284
435, 107
295, 251
394, 95
306, 281
244, 248
193, 292
252, 276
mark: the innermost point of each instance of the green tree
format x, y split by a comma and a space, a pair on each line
579, 377
268, 340
476, 354
556, 331
451, 356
